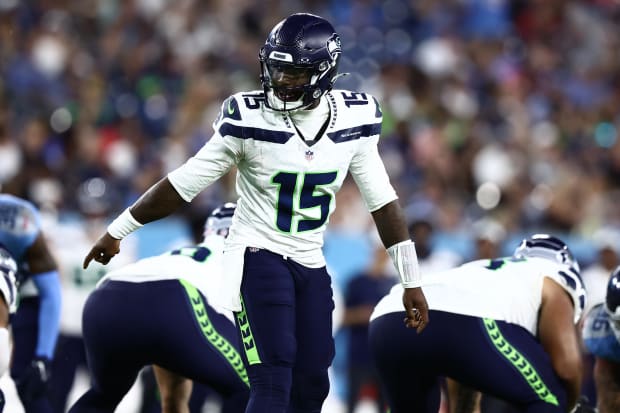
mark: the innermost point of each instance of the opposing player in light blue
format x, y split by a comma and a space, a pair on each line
505, 327
293, 143
36, 322
601, 335
162, 311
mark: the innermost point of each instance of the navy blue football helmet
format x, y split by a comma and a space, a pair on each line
299, 62
612, 298
220, 219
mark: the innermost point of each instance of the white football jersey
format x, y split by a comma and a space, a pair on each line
286, 186
200, 265
505, 289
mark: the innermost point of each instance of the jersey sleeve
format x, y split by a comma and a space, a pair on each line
368, 170
569, 280
215, 158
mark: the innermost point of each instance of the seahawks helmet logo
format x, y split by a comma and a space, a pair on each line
333, 46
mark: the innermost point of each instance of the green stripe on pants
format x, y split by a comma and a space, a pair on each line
218, 341
246, 334
519, 362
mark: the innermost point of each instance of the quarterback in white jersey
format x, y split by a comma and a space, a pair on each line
503, 326
293, 144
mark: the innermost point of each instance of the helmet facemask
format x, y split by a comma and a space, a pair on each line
292, 87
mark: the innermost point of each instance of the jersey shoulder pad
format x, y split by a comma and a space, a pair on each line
357, 103
239, 106
569, 279
18, 216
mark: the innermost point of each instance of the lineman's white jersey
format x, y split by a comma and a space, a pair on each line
286, 187
200, 265
505, 289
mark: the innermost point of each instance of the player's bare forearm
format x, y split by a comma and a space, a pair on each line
391, 224
158, 202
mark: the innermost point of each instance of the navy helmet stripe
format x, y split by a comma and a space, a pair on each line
570, 281
349, 134
259, 134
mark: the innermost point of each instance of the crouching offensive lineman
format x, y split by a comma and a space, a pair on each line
160, 310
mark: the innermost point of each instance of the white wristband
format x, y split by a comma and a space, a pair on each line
123, 225
405, 260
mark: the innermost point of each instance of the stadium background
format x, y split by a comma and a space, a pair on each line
494, 109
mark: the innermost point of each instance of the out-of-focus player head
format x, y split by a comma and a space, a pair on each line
554, 249
219, 221
612, 300
299, 62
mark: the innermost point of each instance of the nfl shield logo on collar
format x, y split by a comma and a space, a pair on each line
309, 155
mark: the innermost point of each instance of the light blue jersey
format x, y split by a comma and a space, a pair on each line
599, 336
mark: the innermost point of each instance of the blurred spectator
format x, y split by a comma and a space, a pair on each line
421, 229
596, 276
488, 235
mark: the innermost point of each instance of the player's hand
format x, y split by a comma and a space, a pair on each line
32, 383
104, 249
416, 308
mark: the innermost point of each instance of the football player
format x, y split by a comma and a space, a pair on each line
160, 310
36, 321
601, 334
293, 143
503, 326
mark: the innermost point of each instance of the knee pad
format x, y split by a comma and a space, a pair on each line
309, 391
270, 387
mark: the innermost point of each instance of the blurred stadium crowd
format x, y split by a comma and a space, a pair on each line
494, 109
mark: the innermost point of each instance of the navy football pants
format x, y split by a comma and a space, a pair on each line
130, 325
495, 357
286, 330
